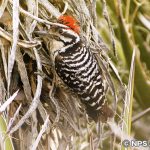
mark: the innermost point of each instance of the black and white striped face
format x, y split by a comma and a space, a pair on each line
67, 36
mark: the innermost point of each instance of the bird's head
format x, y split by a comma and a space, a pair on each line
67, 33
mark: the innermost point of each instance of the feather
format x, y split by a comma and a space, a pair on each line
70, 22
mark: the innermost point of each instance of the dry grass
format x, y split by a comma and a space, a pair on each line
44, 113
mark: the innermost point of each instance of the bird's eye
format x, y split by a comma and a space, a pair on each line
60, 31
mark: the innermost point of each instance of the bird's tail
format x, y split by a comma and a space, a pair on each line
105, 113
102, 115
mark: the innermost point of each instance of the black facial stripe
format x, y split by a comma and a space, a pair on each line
65, 34
65, 43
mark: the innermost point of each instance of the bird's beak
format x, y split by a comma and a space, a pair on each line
51, 35
41, 33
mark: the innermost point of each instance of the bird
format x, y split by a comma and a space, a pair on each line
78, 68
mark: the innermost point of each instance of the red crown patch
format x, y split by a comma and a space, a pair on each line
70, 22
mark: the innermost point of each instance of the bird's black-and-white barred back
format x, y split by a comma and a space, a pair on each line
77, 66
